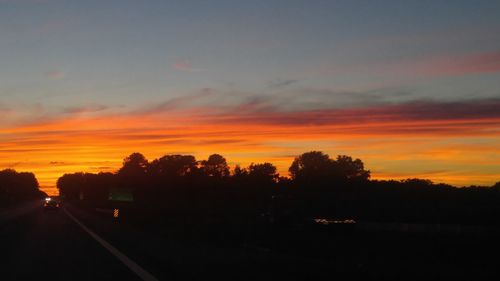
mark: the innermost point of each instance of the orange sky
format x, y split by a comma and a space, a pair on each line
393, 143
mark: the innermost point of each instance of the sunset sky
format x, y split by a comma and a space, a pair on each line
410, 87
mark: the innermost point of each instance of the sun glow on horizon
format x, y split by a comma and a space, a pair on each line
392, 144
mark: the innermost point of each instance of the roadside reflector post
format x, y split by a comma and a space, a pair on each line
116, 213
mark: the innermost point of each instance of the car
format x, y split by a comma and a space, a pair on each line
51, 205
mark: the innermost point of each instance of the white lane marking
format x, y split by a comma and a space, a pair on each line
143, 274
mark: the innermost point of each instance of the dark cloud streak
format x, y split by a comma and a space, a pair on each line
85, 109
280, 83
419, 116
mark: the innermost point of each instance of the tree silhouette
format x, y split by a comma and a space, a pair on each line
416, 183
18, 186
347, 169
134, 171
178, 188
135, 165
69, 185
315, 166
239, 172
170, 166
91, 186
264, 173
311, 166
215, 166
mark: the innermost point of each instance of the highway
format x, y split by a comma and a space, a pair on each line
77, 244
48, 245
59, 245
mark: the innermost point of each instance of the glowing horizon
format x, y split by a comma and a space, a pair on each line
394, 141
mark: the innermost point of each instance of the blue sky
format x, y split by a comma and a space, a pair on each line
121, 52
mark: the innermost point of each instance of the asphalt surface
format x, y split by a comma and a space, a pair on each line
37, 244
48, 245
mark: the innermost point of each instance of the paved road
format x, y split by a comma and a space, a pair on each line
42, 245
48, 245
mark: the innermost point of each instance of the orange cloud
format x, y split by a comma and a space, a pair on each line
451, 142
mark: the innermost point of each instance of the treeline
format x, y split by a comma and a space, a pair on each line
180, 187
16, 187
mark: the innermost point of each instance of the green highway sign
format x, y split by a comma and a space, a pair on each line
124, 195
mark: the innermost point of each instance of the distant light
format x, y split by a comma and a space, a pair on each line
48, 199
328, 222
116, 213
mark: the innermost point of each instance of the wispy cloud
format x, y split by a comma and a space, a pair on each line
462, 64
395, 70
55, 75
280, 83
85, 109
186, 65
178, 103
411, 118
418, 118
285, 99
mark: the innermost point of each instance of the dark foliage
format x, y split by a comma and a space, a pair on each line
180, 188
16, 187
